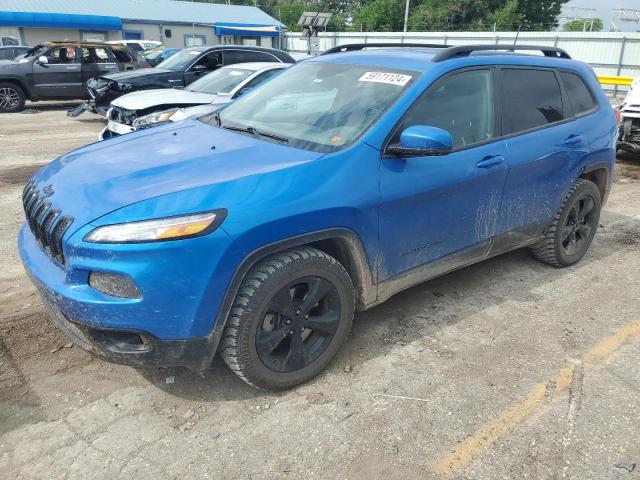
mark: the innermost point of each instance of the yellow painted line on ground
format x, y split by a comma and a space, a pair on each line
507, 420
614, 80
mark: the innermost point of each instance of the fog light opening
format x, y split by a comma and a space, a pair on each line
114, 284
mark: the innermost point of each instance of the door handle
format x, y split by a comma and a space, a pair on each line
573, 140
490, 161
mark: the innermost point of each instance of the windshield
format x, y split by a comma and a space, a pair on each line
221, 81
317, 106
180, 61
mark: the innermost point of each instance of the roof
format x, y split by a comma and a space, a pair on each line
421, 59
255, 66
167, 11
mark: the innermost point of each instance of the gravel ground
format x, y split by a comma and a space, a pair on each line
506, 369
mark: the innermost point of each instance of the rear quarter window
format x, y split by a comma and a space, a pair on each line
122, 56
530, 99
580, 96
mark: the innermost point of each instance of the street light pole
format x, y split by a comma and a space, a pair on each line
406, 15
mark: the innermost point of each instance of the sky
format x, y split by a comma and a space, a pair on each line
604, 8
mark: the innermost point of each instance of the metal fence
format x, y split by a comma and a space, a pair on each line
610, 53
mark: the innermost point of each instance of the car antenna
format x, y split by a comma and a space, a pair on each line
517, 33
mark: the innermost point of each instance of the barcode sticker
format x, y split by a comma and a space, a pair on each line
386, 77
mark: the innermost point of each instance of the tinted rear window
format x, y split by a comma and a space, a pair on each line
531, 98
579, 94
241, 56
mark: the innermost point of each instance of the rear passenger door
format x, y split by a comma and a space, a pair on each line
544, 147
96, 61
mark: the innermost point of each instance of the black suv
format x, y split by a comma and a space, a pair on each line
179, 70
59, 71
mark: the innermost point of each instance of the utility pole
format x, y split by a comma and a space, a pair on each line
406, 15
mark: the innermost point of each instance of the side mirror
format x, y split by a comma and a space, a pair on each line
42, 60
421, 141
198, 69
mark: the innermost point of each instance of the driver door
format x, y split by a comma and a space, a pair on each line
442, 210
60, 76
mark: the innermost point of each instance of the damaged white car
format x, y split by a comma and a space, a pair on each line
629, 139
146, 108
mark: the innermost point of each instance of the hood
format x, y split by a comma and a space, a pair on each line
140, 75
102, 177
144, 99
631, 104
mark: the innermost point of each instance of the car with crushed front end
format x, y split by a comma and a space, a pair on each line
258, 231
629, 136
147, 108
59, 71
177, 71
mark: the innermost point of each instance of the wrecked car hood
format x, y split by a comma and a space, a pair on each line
631, 105
142, 73
144, 99
97, 179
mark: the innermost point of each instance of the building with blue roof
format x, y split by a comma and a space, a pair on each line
175, 23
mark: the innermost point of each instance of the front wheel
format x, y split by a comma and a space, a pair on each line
290, 317
12, 98
573, 227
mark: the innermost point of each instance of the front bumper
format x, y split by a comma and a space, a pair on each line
172, 324
135, 348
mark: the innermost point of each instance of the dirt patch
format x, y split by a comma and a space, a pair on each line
18, 175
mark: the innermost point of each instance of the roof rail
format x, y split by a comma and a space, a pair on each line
465, 50
349, 47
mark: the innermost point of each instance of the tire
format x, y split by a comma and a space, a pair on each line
277, 335
12, 98
573, 228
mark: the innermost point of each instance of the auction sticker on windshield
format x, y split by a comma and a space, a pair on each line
385, 77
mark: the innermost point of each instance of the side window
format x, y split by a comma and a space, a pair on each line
211, 61
122, 56
461, 104
242, 56
94, 55
530, 98
263, 77
579, 94
62, 55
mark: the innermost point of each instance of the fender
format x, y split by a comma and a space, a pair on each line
358, 268
21, 83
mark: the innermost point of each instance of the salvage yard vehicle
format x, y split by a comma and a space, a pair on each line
159, 55
177, 71
147, 108
258, 230
629, 137
12, 51
59, 71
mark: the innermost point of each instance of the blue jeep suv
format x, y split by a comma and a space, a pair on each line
259, 230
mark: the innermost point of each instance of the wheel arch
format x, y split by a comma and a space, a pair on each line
20, 83
598, 173
341, 243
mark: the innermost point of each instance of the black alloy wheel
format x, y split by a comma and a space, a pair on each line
300, 322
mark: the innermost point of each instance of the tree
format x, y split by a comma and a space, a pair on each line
540, 14
380, 16
583, 25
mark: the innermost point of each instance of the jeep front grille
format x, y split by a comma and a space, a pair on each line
46, 222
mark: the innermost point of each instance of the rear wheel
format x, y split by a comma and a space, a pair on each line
573, 228
290, 317
12, 98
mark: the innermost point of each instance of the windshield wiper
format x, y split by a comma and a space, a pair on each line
256, 133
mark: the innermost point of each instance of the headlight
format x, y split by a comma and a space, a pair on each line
153, 118
170, 228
